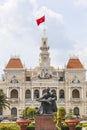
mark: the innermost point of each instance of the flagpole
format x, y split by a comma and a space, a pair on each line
41, 20
44, 28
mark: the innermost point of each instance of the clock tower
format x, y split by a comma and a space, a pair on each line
44, 55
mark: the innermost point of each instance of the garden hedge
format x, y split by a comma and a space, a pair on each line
33, 128
9, 126
65, 128
30, 127
78, 127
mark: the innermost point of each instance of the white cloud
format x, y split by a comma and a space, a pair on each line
34, 4
54, 54
79, 51
17, 33
48, 13
80, 3
20, 35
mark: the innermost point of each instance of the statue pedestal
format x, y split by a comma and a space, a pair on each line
45, 122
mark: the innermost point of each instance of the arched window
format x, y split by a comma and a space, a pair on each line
53, 91
61, 94
43, 91
14, 93
14, 111
36, 94
28, 94
1, 111
1, 90
76, 111
75, 94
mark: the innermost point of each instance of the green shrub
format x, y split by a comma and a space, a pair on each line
31, 127
78, 127
84, 125
9, 126
65, 127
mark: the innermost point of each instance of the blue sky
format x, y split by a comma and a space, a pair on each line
66, 29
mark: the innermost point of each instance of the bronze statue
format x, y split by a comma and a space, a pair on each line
48, 102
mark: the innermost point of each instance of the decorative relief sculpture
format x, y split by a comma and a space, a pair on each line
45, 74
75, 80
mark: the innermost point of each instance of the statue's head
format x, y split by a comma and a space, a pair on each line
47, 89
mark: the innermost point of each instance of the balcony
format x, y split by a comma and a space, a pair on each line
75, 99
61, 101
13, 100
14, 85
32, 103
28, 100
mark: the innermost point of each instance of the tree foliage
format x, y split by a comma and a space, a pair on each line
3, 101
31, 111
62, 111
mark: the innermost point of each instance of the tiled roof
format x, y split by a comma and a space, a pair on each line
74, 63
14, 63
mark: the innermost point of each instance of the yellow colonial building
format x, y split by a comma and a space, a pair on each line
22, 86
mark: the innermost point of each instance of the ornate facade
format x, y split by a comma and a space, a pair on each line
22, 86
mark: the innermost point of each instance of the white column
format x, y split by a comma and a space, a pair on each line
40, 92
69, 94
17, 113
32, 94
81, 94
20, 94
57, 94
8, 95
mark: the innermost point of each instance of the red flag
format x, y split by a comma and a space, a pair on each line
40, 20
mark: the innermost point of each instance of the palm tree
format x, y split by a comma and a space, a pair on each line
3, 101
